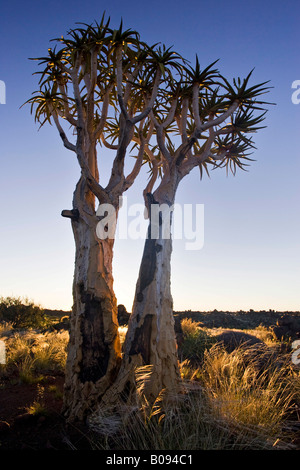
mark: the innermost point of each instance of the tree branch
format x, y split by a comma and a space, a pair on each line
196, 106
94, 64
67, 114
182, 121
117, 172
107, 145
160, 138
130, 79
77, 96
184, 149
120, 81
129, 180
93, 184
222, 118
171, 114
62, 134
150, 104
143, 142
105, 105
149, 188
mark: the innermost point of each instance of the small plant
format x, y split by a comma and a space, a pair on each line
195, 341
27, 371
50, 352
57, 393
188, 371
37, 408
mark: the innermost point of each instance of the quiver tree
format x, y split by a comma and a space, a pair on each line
214, 120
92, 89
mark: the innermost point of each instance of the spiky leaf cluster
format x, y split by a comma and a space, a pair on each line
89, 52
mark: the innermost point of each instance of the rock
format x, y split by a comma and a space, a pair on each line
25, 418
279, 332
123, 315
287, 327
231, 340
284, 321
4, 428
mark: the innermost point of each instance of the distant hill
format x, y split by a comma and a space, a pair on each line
241, 320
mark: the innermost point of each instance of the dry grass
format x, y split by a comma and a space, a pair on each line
237, 400
194, 422
31, 354
253, 399
261, 332
230, 403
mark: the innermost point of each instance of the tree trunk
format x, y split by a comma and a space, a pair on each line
94, 352
150, 339
151, 333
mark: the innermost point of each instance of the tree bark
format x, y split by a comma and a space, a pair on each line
150, 339
151, 334
94, 352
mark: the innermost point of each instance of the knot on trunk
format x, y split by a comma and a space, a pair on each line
71, 214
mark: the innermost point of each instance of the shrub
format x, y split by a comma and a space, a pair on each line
22, 313
195, 341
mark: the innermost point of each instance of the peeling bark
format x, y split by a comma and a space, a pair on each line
151, 336
150, 339
94, 353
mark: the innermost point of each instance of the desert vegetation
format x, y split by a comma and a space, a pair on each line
238, 395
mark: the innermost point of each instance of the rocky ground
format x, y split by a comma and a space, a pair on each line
283, 324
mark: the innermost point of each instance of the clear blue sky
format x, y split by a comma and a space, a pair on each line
251, 252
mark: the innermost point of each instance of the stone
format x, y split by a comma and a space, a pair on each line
232, 340
25, 418
4, 428
123, 315
286, 327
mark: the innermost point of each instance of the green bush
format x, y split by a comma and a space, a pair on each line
195, 341
22, 313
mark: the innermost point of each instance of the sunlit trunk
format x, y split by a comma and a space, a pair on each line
151, 339
94, 351
151, 334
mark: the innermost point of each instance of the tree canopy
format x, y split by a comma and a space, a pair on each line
104, 83
112, 89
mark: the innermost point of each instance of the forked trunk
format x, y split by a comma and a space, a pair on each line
94, 352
